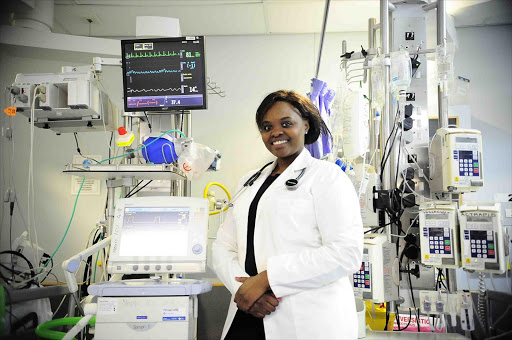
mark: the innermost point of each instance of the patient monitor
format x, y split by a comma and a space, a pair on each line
156, 236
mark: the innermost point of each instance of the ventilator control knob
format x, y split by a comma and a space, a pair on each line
197, 249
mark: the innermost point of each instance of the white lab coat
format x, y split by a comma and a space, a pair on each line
309, 240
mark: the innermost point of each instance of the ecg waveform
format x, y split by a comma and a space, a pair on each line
152, 54
163, 70
177, 89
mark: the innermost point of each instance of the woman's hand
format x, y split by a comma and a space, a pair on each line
265, 305
251, 290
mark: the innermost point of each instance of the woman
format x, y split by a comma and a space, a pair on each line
287, 255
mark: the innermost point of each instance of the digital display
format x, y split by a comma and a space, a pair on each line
436, 216
465, 140
436, 232
164, 74
155, 232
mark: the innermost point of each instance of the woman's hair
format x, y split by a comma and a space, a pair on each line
306, 108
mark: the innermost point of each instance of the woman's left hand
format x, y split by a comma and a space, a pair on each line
252, 289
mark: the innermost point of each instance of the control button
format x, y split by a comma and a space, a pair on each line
447, 248
168, 267
146, 267
490, 245
490, 252
197, 249
135, 267
158, 267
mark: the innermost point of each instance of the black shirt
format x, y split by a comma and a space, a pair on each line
245, 326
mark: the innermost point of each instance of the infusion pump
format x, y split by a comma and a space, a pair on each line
439, 234
377, 279
456, 161
484, 242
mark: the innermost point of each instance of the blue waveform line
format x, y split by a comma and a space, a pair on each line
164, 70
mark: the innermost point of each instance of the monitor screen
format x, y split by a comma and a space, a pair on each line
155, 231
164, 74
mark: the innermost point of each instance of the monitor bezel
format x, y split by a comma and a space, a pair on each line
164, 109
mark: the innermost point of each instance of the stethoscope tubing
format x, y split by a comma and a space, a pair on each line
291, 184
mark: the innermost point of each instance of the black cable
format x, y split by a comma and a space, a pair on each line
31, 267
412, 298
78, 149
129, 192
49, 272
142, 187
149, 123
397, 318
110, 146
386, 150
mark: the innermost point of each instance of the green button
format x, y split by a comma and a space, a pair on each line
367, 276
447, 242
490, 245
475, 164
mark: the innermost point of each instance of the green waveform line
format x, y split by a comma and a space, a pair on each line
164, 70
151, 54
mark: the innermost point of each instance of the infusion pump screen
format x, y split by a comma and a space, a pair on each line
155, 232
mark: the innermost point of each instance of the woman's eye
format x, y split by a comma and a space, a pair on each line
267, 128
287, 124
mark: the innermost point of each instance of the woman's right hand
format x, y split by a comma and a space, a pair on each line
265, 305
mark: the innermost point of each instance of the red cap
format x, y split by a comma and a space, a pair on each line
122, 130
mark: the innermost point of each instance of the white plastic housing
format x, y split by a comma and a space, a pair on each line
482, 238
456, 162
439, 234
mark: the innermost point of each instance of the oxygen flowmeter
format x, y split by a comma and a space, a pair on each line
483, 239
456, 161
439, 234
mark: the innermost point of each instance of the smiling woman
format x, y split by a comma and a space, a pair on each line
286, 255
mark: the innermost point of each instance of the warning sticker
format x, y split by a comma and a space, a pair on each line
107, 306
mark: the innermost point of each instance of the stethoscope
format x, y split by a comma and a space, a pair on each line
291, 184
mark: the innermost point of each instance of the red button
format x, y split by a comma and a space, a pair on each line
475, 171
491, 252
447, 248
367, 282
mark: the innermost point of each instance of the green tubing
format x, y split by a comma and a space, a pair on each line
45, 331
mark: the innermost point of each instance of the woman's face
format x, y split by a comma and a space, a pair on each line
283, 131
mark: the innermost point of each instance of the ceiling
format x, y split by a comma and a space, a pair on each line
116, 18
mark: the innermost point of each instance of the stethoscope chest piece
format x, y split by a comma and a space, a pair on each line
291, 184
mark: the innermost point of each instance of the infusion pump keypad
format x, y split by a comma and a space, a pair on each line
439, 239
468, 162
362, 278
482, 243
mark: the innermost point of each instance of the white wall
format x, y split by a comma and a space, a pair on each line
485, 57
246, 68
